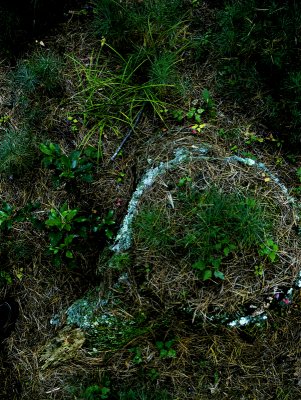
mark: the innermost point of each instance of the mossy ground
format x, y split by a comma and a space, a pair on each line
160, 302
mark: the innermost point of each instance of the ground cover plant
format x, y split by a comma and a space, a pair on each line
256, 46
214, 225
77, 164
17, 151
149, 115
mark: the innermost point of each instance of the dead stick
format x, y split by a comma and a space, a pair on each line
127, 136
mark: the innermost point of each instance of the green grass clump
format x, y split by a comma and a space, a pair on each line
110, 101
146, 41
137, 23
17, 151
162, 70
42, 72
205, 229
255, 46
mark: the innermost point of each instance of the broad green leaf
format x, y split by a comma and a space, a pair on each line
69, 214
69, 254
207, 274
44, 149
219, 274
53, 222
69, 239
163, 353
197, 118
169, 344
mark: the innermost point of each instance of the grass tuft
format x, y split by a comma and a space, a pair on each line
17, 151
41, 71
206, 228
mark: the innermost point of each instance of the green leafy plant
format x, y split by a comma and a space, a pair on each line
95, 392
120, 177
78, 164
4, 119
137, 355
178, 115
254, 45
209, 269
184, 181
105, 223
10, 215
269, 249
208, 228
208, 103
61, 224
7, 216
65, 225
196, 114
205, 111
120, 261
5, 278
62, 219
153, 374
166, 350
73, 124
259, 270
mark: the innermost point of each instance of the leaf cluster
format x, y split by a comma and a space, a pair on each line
166, 350
77, 165
67, 226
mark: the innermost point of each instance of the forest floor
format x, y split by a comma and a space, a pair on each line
65, 108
